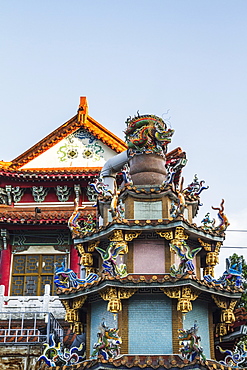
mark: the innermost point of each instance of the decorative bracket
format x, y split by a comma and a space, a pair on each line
212, 257
114, 296
39, 193
227, 315
63, 193
184, 295
180, 233
8, 191
72, 313
92, 246
17, 193
117, 236
77, 190
129, 236
168, 235
4, 236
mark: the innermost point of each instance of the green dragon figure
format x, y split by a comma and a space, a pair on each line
148, 134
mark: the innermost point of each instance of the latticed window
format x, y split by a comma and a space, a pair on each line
31, 272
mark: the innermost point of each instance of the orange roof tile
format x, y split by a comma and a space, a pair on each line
25, 215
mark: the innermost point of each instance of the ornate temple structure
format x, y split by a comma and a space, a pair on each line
134, 274
147, 295
37, 194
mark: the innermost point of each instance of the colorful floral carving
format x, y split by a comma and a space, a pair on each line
108, 344
186, 255
80, 143
234, 359
232, 277
67, 278
55, 355
191, 343
147, 134
109, 257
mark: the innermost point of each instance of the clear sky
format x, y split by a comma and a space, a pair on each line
185, 56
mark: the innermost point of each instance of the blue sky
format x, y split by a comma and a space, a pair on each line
188, 56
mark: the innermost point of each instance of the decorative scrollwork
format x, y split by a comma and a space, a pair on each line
129, 236
168, 235
63, 193
180, 233
206, 246
116, 236
39, 193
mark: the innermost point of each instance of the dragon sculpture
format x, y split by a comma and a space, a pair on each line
208, 224
238, 358
108, 344
67, 278
191, 192
195, 187
232, 277
186, 256
73, 224
147, 134
109, 257
224, 223
191, 343
55, 355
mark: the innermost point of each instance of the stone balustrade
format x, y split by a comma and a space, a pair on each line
45, 303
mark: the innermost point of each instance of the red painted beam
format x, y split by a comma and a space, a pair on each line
74, 261
5, 263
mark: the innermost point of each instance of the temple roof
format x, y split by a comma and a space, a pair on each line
64, 173
145, 225
48, 215
174, 362
146, 281
80, 121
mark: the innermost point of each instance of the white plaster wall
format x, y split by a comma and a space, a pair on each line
89, 152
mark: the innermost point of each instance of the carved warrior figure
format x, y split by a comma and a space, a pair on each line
191, 343
108, 344
67, 278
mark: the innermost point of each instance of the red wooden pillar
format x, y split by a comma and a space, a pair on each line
5, 263
74, 260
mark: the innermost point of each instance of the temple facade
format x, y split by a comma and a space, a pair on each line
37, 194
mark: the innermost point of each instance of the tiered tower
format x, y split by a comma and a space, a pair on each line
146, 268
